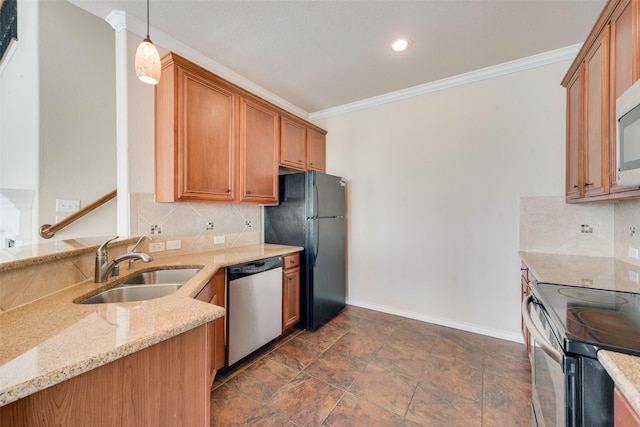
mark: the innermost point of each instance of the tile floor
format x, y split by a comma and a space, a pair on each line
367, 368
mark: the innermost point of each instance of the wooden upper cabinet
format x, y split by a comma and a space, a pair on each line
196, 142
624, 71
293, 144
574, 89
607, 65
316, 150
259, 153
596, 118
216, 142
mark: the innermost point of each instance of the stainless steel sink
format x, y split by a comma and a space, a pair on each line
129, 293
145, 286
174, 275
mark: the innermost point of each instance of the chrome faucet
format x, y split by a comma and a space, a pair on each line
132, 261
104, 267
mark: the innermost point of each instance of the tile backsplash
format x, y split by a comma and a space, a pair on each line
548, 224
195, 224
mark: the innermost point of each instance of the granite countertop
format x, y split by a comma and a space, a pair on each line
53, 339
602, 273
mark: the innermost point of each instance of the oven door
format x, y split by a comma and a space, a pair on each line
552, 402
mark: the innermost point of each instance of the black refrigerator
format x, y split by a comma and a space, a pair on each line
311, 215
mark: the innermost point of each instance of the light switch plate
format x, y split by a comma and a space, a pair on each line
218, 239
174, 244
633, 253
63, 205
156, 247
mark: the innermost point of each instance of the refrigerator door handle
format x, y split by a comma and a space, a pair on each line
317, 241
315, 201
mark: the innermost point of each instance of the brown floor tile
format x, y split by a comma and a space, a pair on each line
267, 417
356, 347
352, 411
509, 364
263, 378
389, 390
455, 377
404, 359
335, 369
431, 406
506, 401
365, 368
324, 336
231, 407
305, 401
451, 348
412, 338
296, 353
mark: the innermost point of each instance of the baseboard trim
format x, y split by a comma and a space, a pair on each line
496, 333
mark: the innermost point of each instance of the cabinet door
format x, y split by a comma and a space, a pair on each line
596, 118
293, 144
624, 72
206, 150
623, 413
259, 146
219, 299
316, 150
574, 90
291, 298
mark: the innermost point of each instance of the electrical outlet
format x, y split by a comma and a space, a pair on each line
633, 276
219, 258
156, 247
63, 205
174, 244
633, 253
218, 239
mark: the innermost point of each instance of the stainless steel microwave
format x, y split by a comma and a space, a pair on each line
628, 136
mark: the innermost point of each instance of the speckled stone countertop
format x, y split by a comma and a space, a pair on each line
53, 339
602, 273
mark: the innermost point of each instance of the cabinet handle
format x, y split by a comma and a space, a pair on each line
299, 161
248, 191
290, 278
228, 190
586, 184
575, 186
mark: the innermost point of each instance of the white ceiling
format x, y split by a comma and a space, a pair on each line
322, 54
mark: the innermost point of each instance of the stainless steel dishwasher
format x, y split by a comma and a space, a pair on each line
254, 306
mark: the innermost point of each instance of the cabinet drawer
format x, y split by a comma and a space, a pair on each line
291, 261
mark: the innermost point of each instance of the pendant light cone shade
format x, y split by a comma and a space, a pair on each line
147, 62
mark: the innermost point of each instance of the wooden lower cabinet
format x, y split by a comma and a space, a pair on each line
214, 293
162, 385
623, 414
291, 291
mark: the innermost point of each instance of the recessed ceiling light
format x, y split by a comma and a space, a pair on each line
400, 45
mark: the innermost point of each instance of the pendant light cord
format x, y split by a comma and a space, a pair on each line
147, 18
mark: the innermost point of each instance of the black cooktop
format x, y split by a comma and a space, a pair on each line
587, 319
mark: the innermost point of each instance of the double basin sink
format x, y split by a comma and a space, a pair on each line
145, 286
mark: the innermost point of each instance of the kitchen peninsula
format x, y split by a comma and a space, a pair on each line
52, 340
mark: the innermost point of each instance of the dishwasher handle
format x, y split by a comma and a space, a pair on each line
254, 267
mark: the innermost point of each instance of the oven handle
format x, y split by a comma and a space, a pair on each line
537, 335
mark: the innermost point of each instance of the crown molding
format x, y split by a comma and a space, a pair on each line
551, 57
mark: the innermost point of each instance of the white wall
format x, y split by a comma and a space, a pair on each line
434, 189
19, 130
77, 116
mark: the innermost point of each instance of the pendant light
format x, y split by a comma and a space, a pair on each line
147, 62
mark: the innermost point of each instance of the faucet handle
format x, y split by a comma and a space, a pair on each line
102, 250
